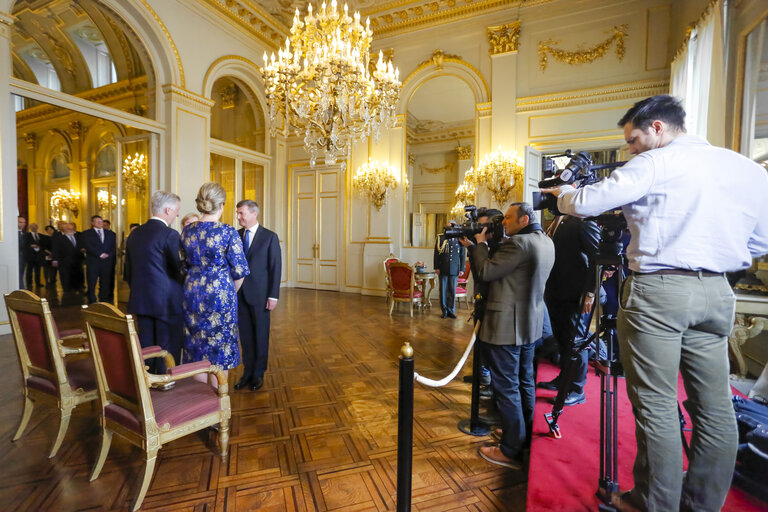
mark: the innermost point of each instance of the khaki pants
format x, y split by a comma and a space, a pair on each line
669, 323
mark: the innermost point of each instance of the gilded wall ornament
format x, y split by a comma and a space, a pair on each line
73, 129
463, 152
411, 159
618, 33
436, 170
504, 39
30, 139
437, 58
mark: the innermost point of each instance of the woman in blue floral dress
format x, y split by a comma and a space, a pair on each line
216, 267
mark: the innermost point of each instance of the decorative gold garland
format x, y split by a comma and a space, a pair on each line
436, 170
584, 56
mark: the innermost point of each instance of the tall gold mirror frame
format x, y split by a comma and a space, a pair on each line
423, 79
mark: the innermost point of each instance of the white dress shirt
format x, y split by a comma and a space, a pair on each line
252, 233
161, 220
688, 205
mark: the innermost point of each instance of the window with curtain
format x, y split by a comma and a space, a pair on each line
692, 70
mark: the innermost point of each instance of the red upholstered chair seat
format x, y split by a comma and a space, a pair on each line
459, 289
44, 385
190, 399
81, 374
405, 295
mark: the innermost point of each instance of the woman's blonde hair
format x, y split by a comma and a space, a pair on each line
210, 198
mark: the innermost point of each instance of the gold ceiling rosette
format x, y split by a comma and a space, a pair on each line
320, 84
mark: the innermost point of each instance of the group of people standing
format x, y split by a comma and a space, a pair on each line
197, 293
62, 252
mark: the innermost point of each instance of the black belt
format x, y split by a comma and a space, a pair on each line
681, 272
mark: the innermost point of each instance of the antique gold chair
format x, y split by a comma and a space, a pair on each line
390, 259
53, 372
402, 278
133, 410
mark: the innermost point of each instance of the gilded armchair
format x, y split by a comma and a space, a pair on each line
132, 407
56, 367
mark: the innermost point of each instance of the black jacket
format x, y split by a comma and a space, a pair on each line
576, 243
265, 262
153, 270
449, 256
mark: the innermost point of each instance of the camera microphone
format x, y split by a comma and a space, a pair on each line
579, 163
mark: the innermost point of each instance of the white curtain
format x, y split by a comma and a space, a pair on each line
755, 44
698, 78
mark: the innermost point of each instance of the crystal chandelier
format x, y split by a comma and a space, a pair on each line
464, 195
64, 199
373, 180
499, 172
321, 86
135, 172
104, 200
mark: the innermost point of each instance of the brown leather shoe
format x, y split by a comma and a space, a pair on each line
494, 455
624, 502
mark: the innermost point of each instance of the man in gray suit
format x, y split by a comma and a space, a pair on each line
514, 317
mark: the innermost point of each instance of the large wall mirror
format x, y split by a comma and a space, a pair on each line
440, 118
753, 140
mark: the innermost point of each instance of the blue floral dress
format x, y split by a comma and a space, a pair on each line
214, 259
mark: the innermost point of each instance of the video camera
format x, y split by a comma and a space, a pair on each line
472, 226
579, 170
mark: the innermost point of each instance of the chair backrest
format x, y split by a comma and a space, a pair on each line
36, 337
123, 387
390, 259
401, 276
465, 275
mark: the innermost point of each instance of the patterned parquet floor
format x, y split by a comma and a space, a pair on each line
320, 435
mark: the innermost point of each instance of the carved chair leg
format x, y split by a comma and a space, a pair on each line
391, 307
25, 415
66, 414
411, 304
149, 469
224, 439
106, 441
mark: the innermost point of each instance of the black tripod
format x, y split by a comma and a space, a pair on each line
609, 257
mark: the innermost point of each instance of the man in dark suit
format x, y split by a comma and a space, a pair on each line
259, 293
47, 244
34, 256
100, 248
22, 223
513, 321
576, 242
67, 257
449, 263
153, 271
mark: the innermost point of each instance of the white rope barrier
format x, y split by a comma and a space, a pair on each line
438, 383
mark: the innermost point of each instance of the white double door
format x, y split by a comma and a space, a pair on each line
316, 194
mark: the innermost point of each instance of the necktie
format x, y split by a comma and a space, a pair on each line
101, 235
72, 239
247, 241
34, 235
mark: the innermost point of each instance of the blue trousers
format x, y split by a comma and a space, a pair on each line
514, 389
448, 293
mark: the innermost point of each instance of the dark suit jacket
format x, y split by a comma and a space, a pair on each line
89, 240
450, 262
30, 255
517, 274
576, 241
64, 251
264, 261
153, 270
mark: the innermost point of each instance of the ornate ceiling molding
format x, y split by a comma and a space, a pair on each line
182, 78
585, 56
408, 15
253, 18
613, 92
6, 20
504, 39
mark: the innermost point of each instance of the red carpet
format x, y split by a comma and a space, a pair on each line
563, 472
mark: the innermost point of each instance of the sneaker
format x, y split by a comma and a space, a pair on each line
494, 455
